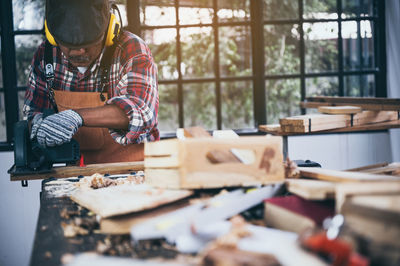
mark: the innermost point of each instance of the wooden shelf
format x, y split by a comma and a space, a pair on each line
360, 128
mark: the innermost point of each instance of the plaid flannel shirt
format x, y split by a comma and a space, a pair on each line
132, 86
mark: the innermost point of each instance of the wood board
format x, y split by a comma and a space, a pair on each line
344, 190
343, 176
122, 224
90, 169
311, 189
194, 170
375, 217
123, 199
346, 109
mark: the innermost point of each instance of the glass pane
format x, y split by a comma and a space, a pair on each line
354, 49
359, 86
281, 44
237, 104
235, 51
157, 13
197, 52
281, 9
25, 47
357, 8
168, 112
199, 103
195, 12
283, 99
233, 10
3, 130
321, 46
28, 15
320, 9
162, 43
322, 86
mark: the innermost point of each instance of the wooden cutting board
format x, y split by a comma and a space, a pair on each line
124, 199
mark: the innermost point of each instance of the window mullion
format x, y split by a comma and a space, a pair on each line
9, 71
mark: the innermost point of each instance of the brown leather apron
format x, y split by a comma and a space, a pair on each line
96, 144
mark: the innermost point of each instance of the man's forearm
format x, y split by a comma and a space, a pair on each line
108, 116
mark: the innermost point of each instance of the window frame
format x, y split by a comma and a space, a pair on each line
256, 23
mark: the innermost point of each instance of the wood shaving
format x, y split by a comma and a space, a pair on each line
291, 169
72, 230
97, 181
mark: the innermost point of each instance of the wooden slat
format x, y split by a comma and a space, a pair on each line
361, 100
90, 169
311, 189
339, 109
360, 128
343, 176
364, 106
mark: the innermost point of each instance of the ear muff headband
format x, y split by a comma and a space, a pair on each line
113, 30
49, 37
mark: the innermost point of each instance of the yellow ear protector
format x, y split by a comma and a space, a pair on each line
112, 31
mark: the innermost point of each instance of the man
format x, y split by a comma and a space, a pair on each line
92, 60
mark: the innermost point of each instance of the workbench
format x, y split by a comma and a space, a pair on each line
50, 244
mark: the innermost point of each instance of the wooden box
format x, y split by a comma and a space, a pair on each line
176, 163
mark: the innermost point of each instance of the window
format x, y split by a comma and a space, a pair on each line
225, 63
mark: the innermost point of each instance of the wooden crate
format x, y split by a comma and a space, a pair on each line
184, 163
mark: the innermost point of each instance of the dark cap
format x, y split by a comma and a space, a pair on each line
77, 23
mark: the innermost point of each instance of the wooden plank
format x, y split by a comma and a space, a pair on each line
270, 128
360, 128
343, 176
369, 117
123, 224
376, 107
123, 199
376, 217
314, 127
196, 132
362, 100
90, 169
311, 189
339, 109
344, 190
304, 120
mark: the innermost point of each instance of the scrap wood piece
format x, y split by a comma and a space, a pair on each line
375, 217
295, 214
370, 117
344, 190
311, 189
362, 100
366, 103
118, 200
238, 257
196, 132
343, 176
314, 119
382, 168
122, 224
346, 109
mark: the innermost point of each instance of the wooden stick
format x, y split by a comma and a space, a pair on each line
90, 169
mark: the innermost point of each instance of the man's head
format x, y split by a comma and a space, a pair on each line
78, 27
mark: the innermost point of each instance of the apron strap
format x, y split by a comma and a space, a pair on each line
49, 71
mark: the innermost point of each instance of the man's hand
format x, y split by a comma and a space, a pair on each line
36, 121
58, 128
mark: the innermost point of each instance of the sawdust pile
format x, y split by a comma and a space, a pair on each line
97, 181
